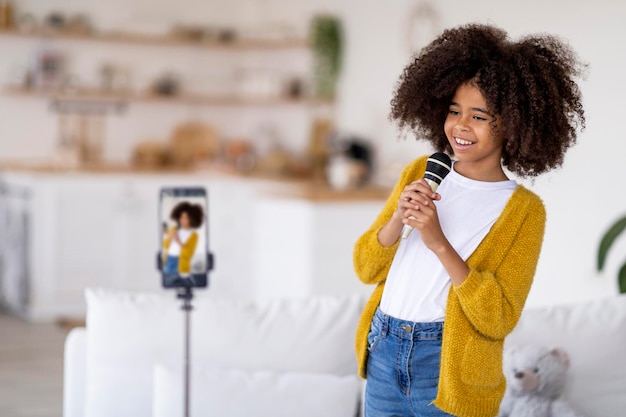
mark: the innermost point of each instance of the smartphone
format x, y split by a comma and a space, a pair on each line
184, 258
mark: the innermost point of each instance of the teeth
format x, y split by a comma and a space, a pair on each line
462, 141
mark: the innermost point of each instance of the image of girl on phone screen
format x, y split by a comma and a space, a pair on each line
181, 240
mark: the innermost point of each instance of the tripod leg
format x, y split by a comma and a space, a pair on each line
187, 367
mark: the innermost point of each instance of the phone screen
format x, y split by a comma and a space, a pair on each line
183, 231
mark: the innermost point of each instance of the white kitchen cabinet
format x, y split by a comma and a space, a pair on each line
303, 247
81, 231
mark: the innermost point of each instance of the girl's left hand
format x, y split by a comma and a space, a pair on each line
425, 218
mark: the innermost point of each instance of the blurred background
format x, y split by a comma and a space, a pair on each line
278, 108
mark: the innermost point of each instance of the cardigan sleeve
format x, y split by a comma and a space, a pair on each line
166, 240
492, 298
372, 260
186, 253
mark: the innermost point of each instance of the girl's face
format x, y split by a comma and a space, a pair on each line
469, 129
184, 220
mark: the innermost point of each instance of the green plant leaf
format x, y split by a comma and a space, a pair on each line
621, 279
607, 241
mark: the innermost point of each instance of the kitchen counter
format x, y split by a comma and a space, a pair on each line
284, 186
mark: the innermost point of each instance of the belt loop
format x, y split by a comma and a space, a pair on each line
385, 328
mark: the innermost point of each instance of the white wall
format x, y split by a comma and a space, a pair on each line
582, 198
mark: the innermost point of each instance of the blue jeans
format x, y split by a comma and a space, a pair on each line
171, 265
402, 368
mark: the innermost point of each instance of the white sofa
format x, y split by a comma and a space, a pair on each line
276, 358
288, 357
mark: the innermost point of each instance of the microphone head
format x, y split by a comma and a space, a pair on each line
438, 166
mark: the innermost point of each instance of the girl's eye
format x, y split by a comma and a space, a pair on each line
453, 112
480, 118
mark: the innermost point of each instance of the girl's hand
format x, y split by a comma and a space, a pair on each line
420, 213
411, 198
175, 237
415, 192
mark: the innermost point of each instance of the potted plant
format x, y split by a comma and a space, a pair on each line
327, 43
605, 244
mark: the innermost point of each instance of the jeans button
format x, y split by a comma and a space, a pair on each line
407, 328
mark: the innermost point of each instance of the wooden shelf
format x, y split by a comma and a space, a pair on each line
97, 96
162, 40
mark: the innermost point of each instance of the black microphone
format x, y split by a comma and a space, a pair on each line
437, 167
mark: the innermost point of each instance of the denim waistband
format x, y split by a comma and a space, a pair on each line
407, 329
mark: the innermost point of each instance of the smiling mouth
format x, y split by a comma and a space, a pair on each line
463, 142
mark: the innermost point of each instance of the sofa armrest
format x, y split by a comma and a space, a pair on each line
74, 373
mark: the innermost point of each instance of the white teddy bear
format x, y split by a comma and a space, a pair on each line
535, 379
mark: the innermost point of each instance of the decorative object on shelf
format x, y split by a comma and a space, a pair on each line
606, 243
150, 155
343, 173
226, 35
327, 40
276, 162
294, 88
80, 140
6, 14
107, 76
350, 163
55, 22
258, 84
70, 84
167, 85
191, 33
271, 158
114, 79
67, 151
79, 24
48, 71
192, 144
240, 155
91, 139
26, 23
318, 149
424, 23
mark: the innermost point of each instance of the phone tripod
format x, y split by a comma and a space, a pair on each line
186, 294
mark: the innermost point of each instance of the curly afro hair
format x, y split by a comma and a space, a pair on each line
529, 85
194, 211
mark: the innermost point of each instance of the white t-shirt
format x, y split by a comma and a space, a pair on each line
417, 285
183, 235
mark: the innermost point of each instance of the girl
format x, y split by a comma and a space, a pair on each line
180, 243
431, 337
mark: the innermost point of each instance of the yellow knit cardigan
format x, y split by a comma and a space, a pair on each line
480, 312
186, 252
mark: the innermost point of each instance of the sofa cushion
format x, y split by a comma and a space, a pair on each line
127, 333
237, 393
594, 335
